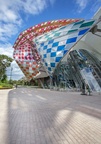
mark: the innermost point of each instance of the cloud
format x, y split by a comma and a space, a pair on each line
7, 30
11, 19
33, 7
11, 22
8, 50
16, 72
81, 5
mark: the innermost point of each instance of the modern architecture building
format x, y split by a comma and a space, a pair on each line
63, 52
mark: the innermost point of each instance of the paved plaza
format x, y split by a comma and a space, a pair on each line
37, 116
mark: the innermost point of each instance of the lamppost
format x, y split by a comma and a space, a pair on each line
11, 74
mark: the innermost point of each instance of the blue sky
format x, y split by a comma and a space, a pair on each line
18, 15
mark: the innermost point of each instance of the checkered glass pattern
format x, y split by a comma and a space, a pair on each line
29, 68
52, 46
23, 53
25, 59
25, 50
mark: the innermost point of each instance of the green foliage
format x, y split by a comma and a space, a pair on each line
5, 62
5, 85
13, 82
20, 82
4, 78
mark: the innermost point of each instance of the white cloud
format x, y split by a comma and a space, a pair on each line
8, 50
10, 16
16, 72
11, 21
34, 7
81, 5
7, 31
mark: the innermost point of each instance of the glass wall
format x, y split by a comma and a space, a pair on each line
80, 65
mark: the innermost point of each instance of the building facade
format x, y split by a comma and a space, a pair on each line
63, 52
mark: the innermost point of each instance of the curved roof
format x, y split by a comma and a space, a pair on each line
39, 29
39, 49
25, 52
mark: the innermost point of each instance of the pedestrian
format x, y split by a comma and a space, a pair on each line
88, 89
83, 87
53, 81
16, 86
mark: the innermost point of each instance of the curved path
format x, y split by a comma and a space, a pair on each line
37, 116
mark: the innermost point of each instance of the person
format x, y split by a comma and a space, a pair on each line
88, 89
83, 87
53, 81
16, 85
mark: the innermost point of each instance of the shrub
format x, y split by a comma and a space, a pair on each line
5, 85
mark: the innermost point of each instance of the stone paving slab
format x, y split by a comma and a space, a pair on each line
37, 116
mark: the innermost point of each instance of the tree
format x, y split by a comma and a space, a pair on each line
5, 62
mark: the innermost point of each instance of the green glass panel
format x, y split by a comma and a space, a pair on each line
79, 22
53, 32
70, 31
40, 37
62, 27
87, 24
49, 38
57, 34
46, 36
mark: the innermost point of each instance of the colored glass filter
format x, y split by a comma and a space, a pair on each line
53, 46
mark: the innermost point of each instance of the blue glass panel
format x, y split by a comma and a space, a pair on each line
55, 44
49, 50
44, 55
45, 47
52, 64
49, 68
60, 47
51, 41
71, 40
42, 44
45, 64
58, 59
53, 54
65, 51
83, 31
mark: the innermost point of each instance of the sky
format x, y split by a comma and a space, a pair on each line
18, 15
